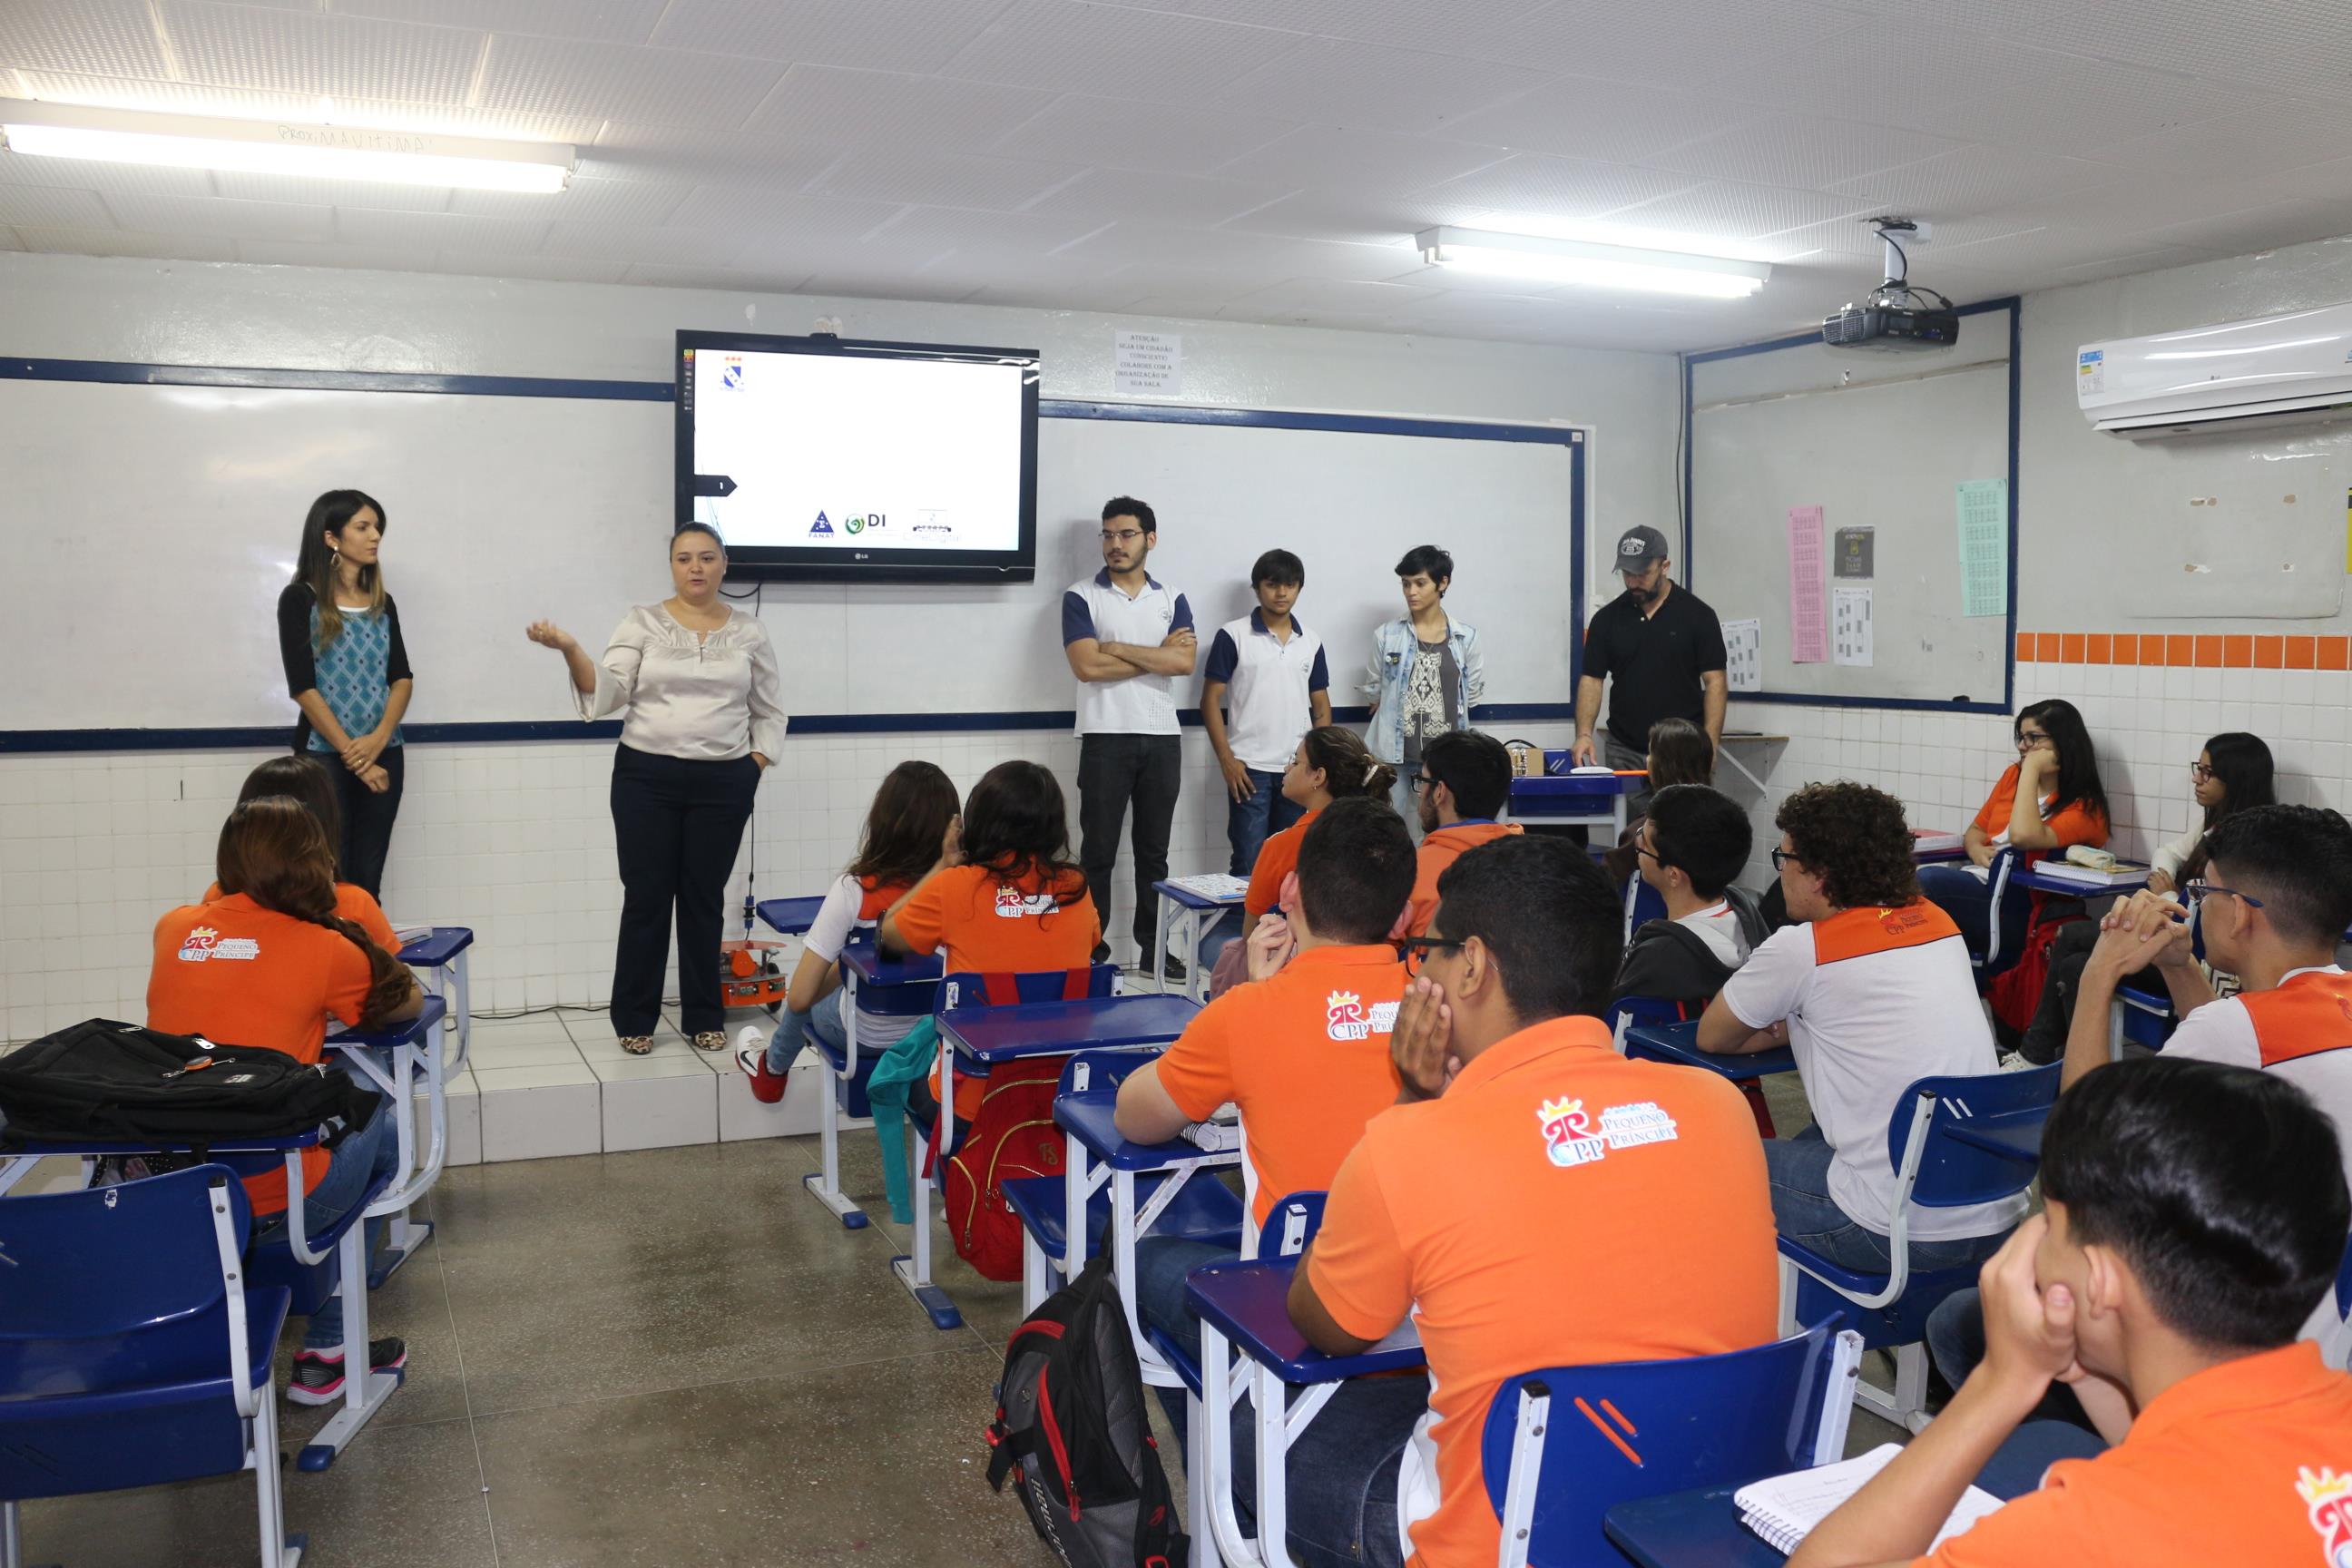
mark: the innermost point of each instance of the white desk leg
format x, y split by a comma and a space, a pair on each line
1213, 1452
1617, 815
825, 1185
1077, 1187
1159, 942
1269, 1411
365, 1392
419, 1169
915, 1272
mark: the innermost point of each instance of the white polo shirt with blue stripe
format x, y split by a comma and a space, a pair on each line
1140, 704
1269, 685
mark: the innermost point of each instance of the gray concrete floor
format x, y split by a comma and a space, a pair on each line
662, 1358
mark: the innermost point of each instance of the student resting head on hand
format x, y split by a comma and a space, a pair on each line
2049, 800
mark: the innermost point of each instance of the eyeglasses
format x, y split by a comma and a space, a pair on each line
1645, 851
1422, 783
1784, 857
1123, 536
2200, 772
1417, 948
2029, 739
2199, 889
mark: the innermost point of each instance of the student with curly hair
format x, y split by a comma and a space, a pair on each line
1872, 989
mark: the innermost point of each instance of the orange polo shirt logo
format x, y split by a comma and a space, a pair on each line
1347, 1018
1572, 1137
204, 944
2329, 1497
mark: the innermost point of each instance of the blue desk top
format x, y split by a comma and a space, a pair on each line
1250, 1303
1059, 1028
1194, 901
1701, 1528
422, 1025
2067, 888
861, 953
790, 917
1678, 1043
1088, 1118
1569, 796
435, 946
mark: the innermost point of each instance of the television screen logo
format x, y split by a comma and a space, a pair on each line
731, 371
821, 528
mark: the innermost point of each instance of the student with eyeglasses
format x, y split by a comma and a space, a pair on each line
2048, 800
2233, 773
2273, 901
1695, 840
1129, 640
1460, 786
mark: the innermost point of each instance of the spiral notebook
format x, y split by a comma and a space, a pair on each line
1784, 1508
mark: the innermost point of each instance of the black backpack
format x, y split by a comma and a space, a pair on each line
1071, 1429
99, 1080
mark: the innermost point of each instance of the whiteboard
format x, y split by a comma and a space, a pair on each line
146, 530
1877, 442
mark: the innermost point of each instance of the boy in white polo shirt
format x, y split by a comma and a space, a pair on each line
1130, 641
1264, 686
1872, 989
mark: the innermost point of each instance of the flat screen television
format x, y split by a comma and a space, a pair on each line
826, 459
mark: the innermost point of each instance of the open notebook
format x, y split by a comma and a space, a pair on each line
1784, 1508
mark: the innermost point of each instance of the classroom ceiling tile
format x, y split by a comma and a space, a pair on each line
106, 179
1157, 138
439, 231
868, 35
624, 242
603, 21
1070, 48
329, 192
942, 179
2285, 133
754, 210
174, 247
52, 206
318, 56
1441, 27
1330, 297
888, 109
1800, 149
667, 275
1339, 82
1680, 44
2103, 103
94, 38
669, 154
1326, 159
1728, 210
219, 217
1586, 117
654, 86
584, 200
923, 235
1562, 190
1107, 196
1977, 179
334, 253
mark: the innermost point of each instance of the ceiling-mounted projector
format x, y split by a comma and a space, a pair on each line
1895, 315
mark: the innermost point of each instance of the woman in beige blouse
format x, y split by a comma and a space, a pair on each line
696, 681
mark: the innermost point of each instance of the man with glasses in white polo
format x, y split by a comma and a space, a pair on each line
1130, 641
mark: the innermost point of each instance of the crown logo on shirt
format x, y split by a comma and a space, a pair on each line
1568, 1132
2328, 1496
197, 945
1343, 1013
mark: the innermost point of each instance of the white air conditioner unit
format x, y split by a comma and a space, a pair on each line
2281, 370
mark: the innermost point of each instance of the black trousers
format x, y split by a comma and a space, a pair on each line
677, 825
367, 817
1112, 771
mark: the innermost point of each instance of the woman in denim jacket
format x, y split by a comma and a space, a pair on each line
1426, 674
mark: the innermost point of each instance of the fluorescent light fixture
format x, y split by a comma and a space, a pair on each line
1591, 264
281, 147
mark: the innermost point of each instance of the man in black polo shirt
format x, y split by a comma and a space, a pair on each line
1663, 646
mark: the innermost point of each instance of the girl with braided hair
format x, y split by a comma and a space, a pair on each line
263, 964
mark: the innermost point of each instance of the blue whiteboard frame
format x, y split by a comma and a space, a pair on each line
127, 373
2007, 703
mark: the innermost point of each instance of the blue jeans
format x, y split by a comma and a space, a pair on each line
1162, 1262
822, 1020
1804, 1212
1249, 823
373, 1151
1956, 890
1341, 1473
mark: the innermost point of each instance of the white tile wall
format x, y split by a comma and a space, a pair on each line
2147, 723
515, 841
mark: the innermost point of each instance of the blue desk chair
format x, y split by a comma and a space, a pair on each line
132, 1349
1656, 1031
1045, 1203
392, 1060
874, 1014
1955, 1142
1644, 903
1656, 1426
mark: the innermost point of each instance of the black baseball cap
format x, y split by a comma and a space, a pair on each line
1640, 547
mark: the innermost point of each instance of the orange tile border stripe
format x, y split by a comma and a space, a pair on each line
2188, 651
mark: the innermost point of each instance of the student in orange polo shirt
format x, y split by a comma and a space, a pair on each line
263, 964
1303, 1053
1534, 1200
305, 778
1463, 787
1332, 762
2196, 1212
1004, 897
2049, 800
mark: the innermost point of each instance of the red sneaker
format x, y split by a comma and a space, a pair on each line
767, 1087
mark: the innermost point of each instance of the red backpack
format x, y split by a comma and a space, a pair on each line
1012, 1135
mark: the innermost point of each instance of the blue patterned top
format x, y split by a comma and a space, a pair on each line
353, 674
